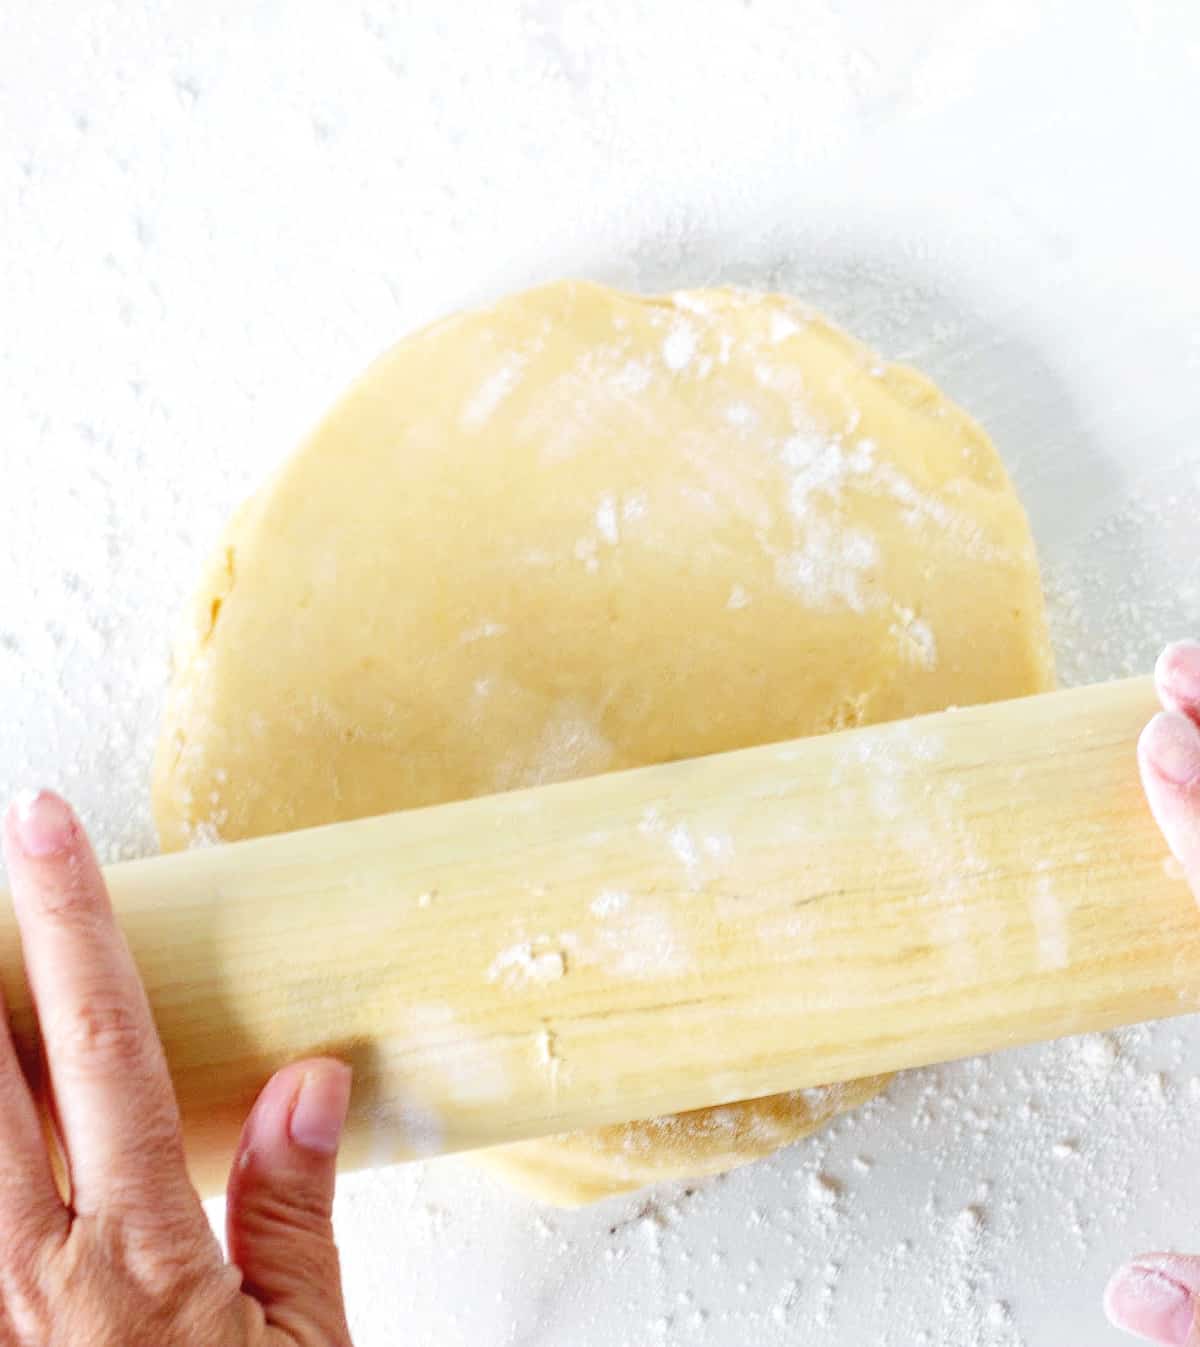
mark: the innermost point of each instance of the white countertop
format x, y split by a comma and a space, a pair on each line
211, 217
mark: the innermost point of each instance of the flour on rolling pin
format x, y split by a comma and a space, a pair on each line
456, 1065
528, 961
637, 939
633, 935
949, 855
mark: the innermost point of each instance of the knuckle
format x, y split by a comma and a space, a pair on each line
272, 1212
171, 1259
24, 1294
72, 901
161, 1139
153, 1170
102, 1029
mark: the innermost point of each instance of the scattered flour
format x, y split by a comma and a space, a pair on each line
1049, 922
482, 632
527, 962
782, 326
915, 639
609, 902
571, 744
606, 520
831, 565
679, 347
684, 847
491, 393
639, 940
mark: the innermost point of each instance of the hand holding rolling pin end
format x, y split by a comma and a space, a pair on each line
129, 1260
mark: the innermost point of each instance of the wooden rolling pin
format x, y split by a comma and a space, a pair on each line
678, 936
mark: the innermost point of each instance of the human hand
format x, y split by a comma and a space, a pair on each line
129, 1259
1157, 1296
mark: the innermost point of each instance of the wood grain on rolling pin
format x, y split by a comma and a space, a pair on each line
673, 937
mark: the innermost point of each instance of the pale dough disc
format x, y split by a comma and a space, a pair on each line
580, 531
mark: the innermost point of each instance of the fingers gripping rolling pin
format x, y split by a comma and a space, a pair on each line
673, 937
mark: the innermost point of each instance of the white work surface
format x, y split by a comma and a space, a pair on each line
212, 216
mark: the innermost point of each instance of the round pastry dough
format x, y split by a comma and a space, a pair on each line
581, 531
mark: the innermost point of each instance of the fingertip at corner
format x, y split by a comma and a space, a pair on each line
41, 824
1177, 677
1149, 1303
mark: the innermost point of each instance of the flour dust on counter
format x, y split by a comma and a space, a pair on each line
780, 1265
783, 1266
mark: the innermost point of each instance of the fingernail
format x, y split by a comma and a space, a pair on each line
1145, 1301
1171, 745
1177, 672
44, 823
319, 1113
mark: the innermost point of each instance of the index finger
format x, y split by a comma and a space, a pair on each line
112, 1094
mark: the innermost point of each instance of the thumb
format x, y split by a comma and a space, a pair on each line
1155, 1297
280, 1201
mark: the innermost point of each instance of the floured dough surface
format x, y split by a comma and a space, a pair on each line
581, 531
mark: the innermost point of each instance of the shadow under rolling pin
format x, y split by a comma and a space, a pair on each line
673, 937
